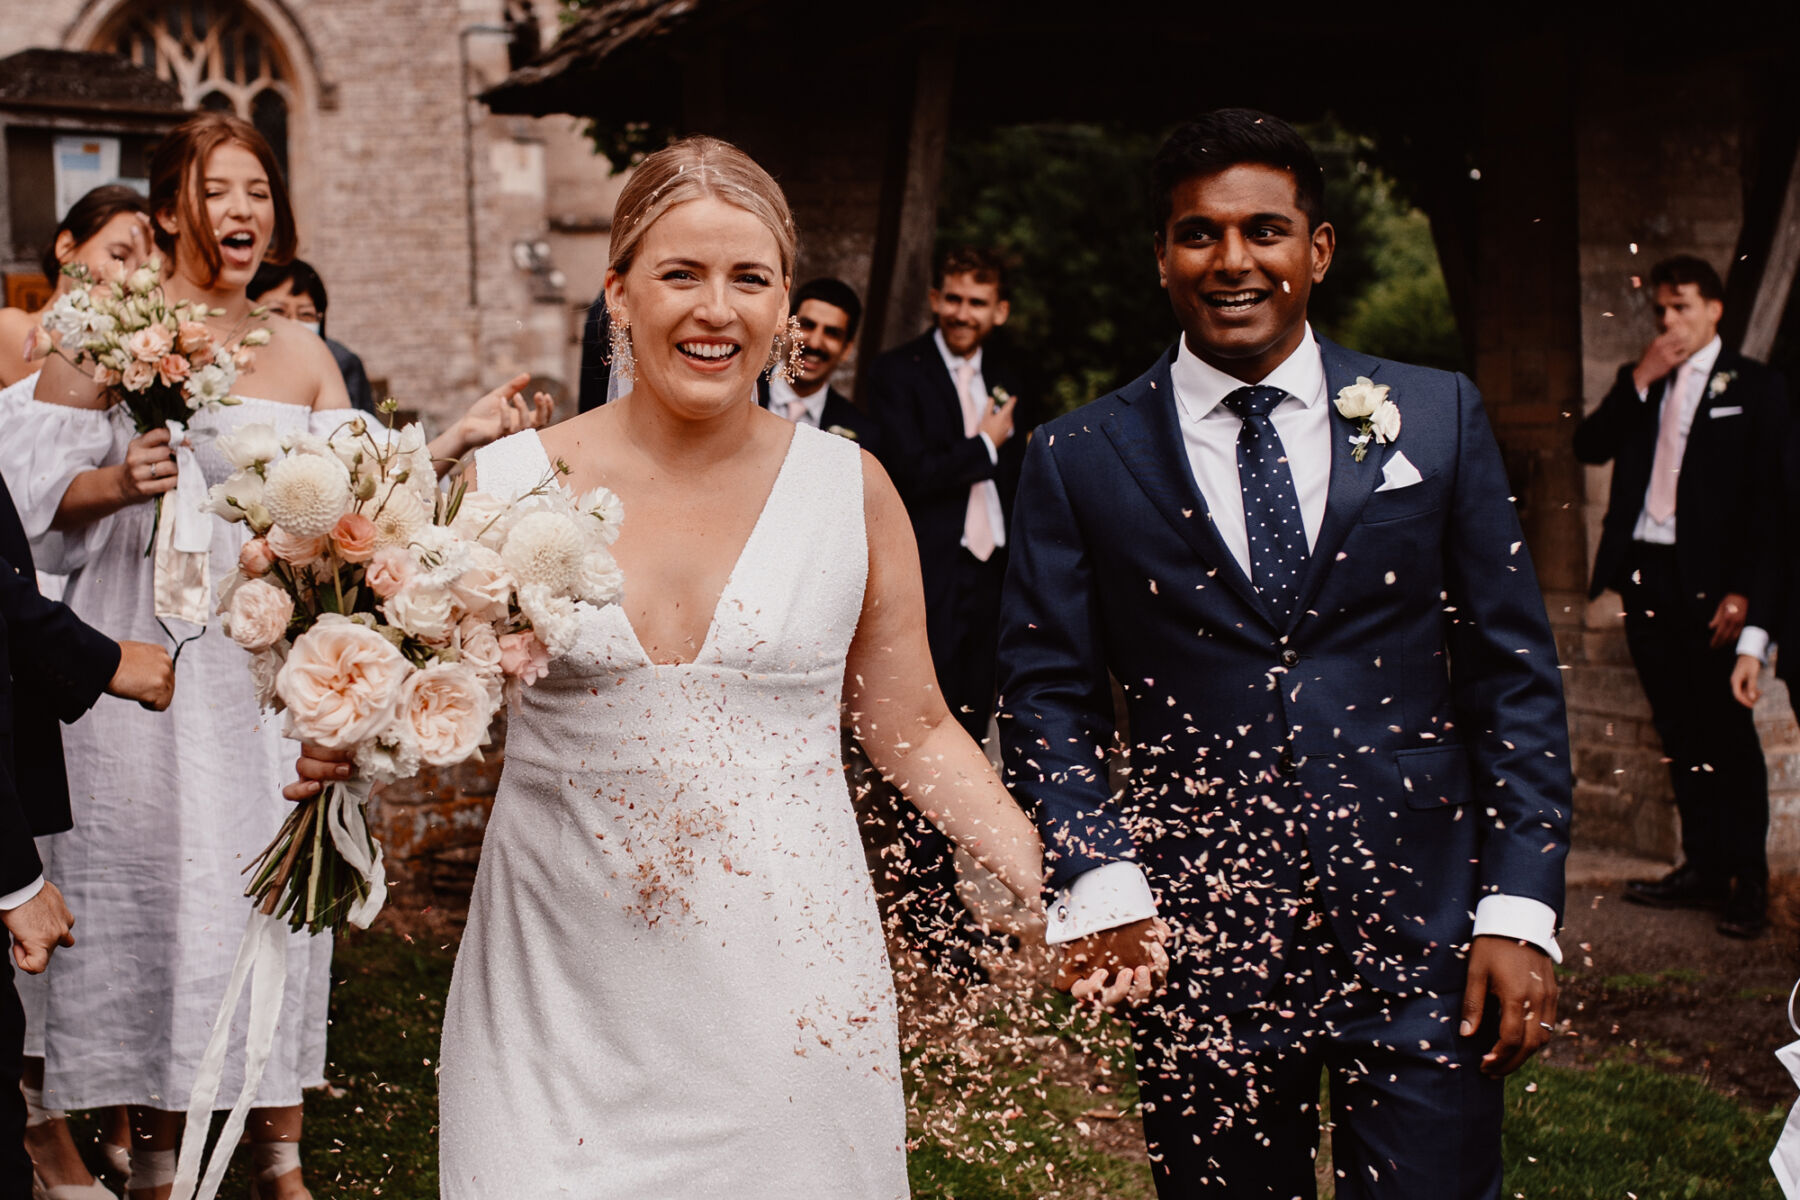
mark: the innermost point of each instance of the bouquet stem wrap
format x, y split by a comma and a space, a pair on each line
183, 542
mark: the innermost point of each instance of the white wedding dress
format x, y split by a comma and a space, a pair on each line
673, 982
169, 807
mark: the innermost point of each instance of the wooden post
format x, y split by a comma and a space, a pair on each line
1777, 282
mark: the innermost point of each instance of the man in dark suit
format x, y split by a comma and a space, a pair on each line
1691, 429
825, 315
51, 666
1351, 854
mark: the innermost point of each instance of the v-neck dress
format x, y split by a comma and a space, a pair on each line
673, 981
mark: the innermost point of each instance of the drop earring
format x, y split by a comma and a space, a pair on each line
622, 361
785, 351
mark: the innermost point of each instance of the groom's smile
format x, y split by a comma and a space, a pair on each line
1239, 258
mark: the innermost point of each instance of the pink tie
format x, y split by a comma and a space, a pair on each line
978, 530
796, 411
1665, 469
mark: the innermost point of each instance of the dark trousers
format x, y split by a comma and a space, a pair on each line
965, 637
1231, 1101
1715, 758
15, 1164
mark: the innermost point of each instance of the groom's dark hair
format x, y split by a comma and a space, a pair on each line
1230, 137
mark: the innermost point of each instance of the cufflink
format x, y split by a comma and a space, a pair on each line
1062, 912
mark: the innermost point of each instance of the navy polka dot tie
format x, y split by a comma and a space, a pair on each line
1271, 504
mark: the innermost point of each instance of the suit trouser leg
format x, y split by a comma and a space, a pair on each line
15, 1163
1232, 1100
1716, 764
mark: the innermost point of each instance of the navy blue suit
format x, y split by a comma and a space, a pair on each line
1372, 766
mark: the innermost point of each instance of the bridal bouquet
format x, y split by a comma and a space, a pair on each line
389, 619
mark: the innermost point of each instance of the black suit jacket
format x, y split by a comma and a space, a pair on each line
840, 416
932, 462
51, 666
1733, 441
1775, 587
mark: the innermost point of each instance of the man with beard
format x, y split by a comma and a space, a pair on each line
826, 313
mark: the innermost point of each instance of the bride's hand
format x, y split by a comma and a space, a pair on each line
148, 469
1127, 964
317, 767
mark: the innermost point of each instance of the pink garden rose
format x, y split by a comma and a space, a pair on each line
523, 657
106, 377
354, 537
172, 369
389, 570
150, 343
256, 558
340, 683
297, 550
137, 375
259, 615
194, 339
447, 709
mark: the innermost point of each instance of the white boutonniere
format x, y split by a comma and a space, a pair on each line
1367, 403
999, 398
843, 431
1719, 383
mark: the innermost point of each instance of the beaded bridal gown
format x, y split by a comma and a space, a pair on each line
673, 982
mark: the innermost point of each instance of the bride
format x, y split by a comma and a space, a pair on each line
673, 982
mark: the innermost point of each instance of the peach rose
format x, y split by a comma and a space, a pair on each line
523, 657
479, 646
172, 369
150, 343
297, 550
354, 537
426, 610
447, 709
137, 375
340, 683
194, 339
390, 569
256, 558
259, 615
486, 587
106, 377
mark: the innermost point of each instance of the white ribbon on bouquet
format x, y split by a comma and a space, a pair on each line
262, 964
1785, 1159
182, 580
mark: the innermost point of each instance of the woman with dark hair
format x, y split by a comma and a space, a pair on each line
171, 806
106, 231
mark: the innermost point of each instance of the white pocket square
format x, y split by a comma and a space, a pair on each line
1728, 411
1397, 473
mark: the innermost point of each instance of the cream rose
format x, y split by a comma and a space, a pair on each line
256, 558
1360, 399
479, 646
149, 344
446, 708
483, 518
340, 683
259, 615
300, 551
424, 610
389, 570
485, 587
1385, 421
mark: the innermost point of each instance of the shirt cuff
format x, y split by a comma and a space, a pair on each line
12, 900
993, 454
1104, 898
1754, 641
1521, 919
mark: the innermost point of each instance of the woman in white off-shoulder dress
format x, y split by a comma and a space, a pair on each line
673, 982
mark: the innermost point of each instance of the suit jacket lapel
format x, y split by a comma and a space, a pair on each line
1146, 432
932, 363
1352, 482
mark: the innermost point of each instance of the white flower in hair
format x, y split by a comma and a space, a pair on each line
306, 494
545, 549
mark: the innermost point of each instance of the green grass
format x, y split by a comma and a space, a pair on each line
1677, 977
1570, 1133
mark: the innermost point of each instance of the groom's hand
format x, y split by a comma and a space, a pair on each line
1126, 964
1521, 980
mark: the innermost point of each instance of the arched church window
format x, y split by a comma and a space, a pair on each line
218, 54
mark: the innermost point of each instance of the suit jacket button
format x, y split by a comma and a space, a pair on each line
1285, 764
1289, 656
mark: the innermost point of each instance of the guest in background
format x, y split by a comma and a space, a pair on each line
1691, 429
52, 666
825, 315
944, 404
295, 291
106, 230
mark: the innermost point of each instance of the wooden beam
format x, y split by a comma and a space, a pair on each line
927, 134
1777, 282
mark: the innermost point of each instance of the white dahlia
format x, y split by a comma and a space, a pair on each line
306, 494
545, 549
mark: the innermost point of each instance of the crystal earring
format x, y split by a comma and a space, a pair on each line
785, 352
622, 361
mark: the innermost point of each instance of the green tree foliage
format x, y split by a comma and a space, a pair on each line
1069, 206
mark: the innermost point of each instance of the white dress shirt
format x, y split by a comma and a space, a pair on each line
1118, 893
782, 393
12, 900
977, 387
1690, 381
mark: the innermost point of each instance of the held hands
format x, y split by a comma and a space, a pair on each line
1744, 680
1728, 619
1661, 356
146, 674
1126, 964
148, 469
316, 767
501, 412
997, 423
1522, 981
38, 927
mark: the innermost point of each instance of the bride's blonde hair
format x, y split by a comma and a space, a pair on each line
691, 169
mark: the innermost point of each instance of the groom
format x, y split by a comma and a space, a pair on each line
1347, 799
